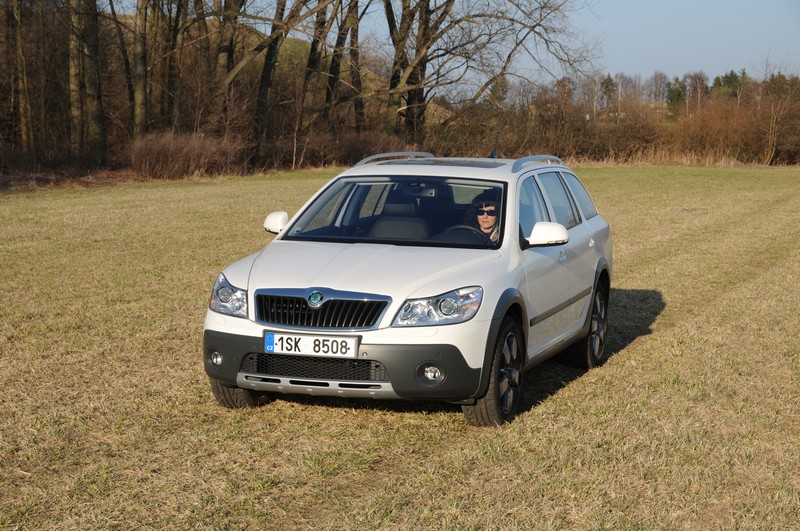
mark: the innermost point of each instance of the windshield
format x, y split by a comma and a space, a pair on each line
428, 211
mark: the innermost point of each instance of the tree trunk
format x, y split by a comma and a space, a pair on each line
76, 133
355, 70
87, 120
173, 74
95, 117
277, 35
335, 70
224, 62
27, 144
322, 26
206, 59
314, 63
140, 71
399, 35
415, 97
126, 64
772, 140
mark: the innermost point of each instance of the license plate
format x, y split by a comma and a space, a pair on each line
330, 346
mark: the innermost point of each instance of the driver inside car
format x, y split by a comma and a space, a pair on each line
483, 215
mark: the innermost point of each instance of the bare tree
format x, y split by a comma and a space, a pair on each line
282, 23
273, 46
335, 69
140, 70
95, 117
174, 22
399, 33
120, 29
657, 86
87, 132
696, 84
322, 27
227, 23
781, 105
440, 44
24, 112
355, 69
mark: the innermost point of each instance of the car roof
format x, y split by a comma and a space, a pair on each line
418, 163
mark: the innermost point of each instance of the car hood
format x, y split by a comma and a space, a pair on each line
396, 271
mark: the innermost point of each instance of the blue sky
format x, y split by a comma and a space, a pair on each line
681, 36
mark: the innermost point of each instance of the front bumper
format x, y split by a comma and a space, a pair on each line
380, 371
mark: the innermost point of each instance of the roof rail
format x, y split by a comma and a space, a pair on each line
395, 155
550, 159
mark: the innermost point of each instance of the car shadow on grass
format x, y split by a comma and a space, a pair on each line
632, 313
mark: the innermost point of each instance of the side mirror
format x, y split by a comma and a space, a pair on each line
546, 233
276, 222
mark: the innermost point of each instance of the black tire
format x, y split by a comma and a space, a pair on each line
504, 395
237, 397
590, 351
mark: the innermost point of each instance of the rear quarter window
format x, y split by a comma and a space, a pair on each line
581, 195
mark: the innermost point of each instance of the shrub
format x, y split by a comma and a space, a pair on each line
174, 156
353, 147
324, 149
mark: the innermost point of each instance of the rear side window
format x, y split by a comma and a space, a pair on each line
559, 198
581, 195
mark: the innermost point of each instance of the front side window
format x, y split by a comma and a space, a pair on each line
531, 207
563, 208
403, 210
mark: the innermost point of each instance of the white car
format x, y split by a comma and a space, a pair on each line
415, 277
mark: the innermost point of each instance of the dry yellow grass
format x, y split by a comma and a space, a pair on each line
107, 419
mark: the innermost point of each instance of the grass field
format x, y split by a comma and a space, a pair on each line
107, 421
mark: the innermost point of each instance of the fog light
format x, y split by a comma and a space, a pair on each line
216, 358
432, 373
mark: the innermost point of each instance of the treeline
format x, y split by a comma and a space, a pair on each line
175, 87
734, 118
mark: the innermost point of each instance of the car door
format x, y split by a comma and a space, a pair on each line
546, 273
579, 253
599, 228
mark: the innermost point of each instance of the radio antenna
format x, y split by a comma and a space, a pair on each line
494, 151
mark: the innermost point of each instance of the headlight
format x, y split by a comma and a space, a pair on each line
454, 307
227, 299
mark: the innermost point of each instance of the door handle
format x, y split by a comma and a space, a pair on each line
562, 257
591, 243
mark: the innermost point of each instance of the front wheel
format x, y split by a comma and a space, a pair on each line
504, 395
237, 397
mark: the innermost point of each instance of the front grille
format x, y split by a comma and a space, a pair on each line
334, 313
313, 367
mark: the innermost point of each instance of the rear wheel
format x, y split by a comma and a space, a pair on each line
236, 397
504, 395
590, 351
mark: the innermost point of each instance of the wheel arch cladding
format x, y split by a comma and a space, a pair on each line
510, 303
